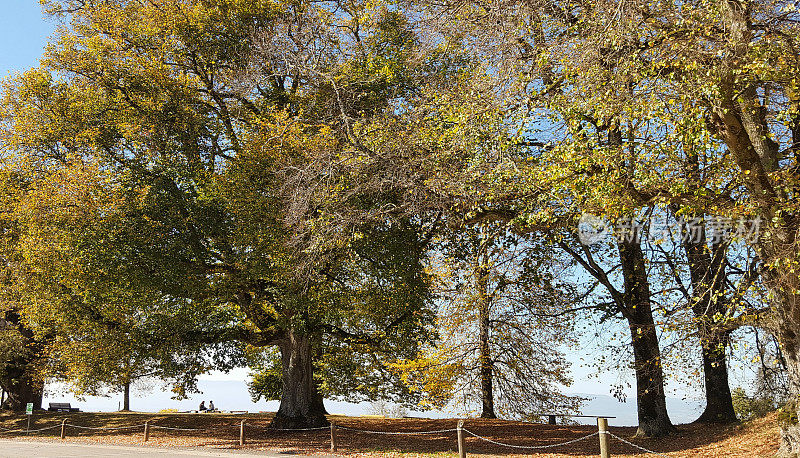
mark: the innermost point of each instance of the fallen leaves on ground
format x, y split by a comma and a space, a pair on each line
756, 438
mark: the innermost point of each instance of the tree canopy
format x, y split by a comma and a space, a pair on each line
388, 200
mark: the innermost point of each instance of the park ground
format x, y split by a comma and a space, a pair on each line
221, 431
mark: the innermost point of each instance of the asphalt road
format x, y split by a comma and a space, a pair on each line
19, 449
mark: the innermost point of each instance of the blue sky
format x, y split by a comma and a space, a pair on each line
23, 35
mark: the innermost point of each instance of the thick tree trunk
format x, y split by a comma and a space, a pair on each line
790, 433
20, 391
740, 123
744, 131
21, 381
487, 382
651, 402
484, 323
788, 324
320, 401
719, 404
710, 306
126, 397
301, 405
486, 366
739, 126
650, 397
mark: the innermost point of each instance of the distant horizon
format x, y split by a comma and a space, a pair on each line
232, 395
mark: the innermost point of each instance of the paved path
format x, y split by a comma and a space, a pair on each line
17, 449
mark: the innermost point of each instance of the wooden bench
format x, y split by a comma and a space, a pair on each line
62, 407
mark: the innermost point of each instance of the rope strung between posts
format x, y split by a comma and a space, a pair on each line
176, 429
531, 447
4, 430
29, 430
634, 445
117, 428
299, 429
402, 433
43, 429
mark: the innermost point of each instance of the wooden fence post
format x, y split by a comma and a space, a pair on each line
147, 430
462, 446
241, 434
63, 428
602, 429
333, 436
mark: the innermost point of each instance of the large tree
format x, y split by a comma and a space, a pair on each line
197, 116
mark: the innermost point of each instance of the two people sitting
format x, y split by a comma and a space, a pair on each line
210, 407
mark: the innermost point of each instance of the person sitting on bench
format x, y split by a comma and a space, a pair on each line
202, 406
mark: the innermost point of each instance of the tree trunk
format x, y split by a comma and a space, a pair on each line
739, 122
651, 402
777, 243
710, 307
21, 391
21, 384
484, 349
709, 304
650, 397
126, 397
301, 405
790, 431
634, 305
719, 404
785, 286
485, 357
21, 381
320, 401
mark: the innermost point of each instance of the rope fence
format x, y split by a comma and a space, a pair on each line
13, 431
602, 432
321, 428
118, 428
635, 446
169, 428
64, 425
531, 447
398, 433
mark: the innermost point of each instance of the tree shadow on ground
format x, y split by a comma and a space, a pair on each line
222, 431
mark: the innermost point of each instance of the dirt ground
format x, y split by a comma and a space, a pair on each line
756, 438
